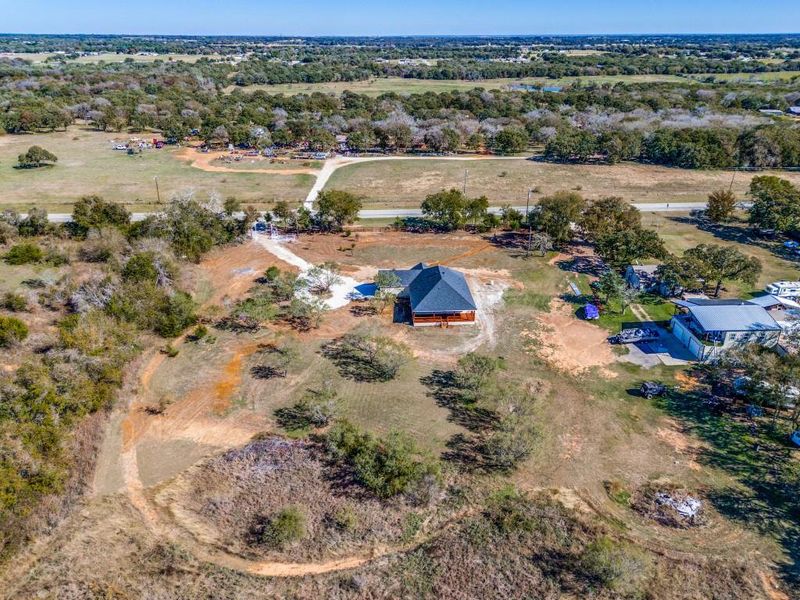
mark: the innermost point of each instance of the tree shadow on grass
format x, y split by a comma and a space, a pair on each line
767, 498
732, 232
463, 411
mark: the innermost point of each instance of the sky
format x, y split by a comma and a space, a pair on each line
398, 17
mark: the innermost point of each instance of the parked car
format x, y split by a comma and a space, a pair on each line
651, 389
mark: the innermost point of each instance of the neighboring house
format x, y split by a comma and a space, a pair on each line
644, 279
435, 295
785, 311
708, 328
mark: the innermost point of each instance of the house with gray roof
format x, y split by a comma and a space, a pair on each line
708, 327
434, 295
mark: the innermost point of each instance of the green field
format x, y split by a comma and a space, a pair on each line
88, 165
405, 183
680, 233
399, 85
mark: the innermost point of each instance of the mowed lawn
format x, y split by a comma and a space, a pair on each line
400, 85
405, 183
680, 232
88, 165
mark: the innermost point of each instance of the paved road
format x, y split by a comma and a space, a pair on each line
391, 213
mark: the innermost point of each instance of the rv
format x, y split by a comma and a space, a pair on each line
784, 289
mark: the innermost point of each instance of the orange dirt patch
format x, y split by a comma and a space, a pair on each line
231, 379
204, 160
687, 382
570, 345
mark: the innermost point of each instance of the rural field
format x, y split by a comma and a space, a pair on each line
404, 183
87, 165
181, 481
399, 85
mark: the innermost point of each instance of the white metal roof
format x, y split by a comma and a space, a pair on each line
731, 317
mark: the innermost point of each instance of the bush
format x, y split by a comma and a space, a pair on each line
615, 566
345, 519
24, 253
316, 409
387, 467
141, 267
12, 331
55, 258
176, 315
278, 531
14, 302
364, 358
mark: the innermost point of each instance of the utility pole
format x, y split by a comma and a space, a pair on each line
466, 173
530, 225
158, 193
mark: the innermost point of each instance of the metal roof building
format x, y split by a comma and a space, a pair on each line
729, 315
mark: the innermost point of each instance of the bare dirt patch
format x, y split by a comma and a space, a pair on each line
569, 344
209, 162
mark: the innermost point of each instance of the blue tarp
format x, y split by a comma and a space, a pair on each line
590, 311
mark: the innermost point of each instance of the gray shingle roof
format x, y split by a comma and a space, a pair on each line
406, 276
439, 289
730, 316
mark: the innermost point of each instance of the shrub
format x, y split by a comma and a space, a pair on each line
345, 519
614, 565
55, 258
315, 409
14, 302
387, 467
140, 267
275, 361
365, 358
283, 528
24, 253
177, 314
200, 332
12, 330
508, 510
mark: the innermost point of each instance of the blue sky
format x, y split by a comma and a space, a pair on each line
398, 17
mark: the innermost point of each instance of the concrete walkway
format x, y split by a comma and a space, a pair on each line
340, 292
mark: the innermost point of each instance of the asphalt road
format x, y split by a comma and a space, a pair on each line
391, 213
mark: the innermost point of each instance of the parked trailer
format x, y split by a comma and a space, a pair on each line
784, 289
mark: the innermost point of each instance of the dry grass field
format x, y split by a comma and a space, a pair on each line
188, 474
88, 165
398, 85
405, 183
